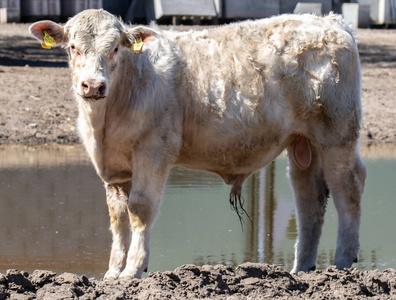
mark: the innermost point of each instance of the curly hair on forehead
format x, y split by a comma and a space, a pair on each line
93, 22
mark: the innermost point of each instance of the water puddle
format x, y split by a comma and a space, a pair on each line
53, 216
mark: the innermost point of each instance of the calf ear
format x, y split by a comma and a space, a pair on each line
52, 29
134, 34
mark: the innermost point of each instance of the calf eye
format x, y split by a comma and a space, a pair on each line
116, 49
74, 50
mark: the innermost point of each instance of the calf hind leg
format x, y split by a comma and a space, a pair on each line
310, 193
345, 173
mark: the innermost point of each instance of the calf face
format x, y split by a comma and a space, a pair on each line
93, 42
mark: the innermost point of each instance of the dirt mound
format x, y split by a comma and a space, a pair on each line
248, 281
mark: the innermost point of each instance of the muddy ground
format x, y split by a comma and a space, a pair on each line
248, 281
36, 106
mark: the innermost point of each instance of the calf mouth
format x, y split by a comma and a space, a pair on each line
93, 98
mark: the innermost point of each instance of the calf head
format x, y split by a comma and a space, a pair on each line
94, 40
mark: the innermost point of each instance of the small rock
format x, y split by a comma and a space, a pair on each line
33, 125
251, 281
17, 279
191, 268
41, 277
252, 270
55, 292
172, 276
68, 278
21, 297
206, 268
3, 292
40, 135
85, 280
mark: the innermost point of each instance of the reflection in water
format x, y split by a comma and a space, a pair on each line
53, 216
263, 205
273, 219
50, 216
267, 206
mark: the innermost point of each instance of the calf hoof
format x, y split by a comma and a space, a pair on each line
111, 275
344, 262
295, 271
126, 278
110, 279
312, 268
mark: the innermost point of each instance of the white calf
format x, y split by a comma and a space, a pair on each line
226, 100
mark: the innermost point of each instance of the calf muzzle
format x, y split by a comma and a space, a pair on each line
93, 89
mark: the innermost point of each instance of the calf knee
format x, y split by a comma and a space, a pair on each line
117, 203
361, 172
142, 213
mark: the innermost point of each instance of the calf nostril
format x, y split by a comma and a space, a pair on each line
102, 89
85, 86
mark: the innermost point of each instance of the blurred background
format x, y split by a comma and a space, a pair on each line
362, 13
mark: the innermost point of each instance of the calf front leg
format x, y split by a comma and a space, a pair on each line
142, 215
117, 202
148, 181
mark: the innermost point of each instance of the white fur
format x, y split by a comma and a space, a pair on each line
226, 100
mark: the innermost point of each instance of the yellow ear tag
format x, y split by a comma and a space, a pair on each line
137, 47
48, 41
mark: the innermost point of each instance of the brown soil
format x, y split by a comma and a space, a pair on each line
36, 106
248, 281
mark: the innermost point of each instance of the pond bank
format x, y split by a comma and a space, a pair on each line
247, 281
